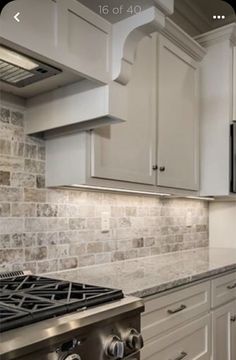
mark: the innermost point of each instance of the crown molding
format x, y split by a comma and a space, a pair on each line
185, 42
126, 34
227, 32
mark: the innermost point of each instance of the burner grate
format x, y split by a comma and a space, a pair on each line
9, 313
10, 317
25, 302
36, 298
19, 283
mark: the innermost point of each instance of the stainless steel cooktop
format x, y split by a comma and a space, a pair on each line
51, 319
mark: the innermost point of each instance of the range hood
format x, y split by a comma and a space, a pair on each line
20, 70
75, 107
26, 74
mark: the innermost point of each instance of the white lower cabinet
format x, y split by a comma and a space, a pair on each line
191, 341
193, 323
224, 332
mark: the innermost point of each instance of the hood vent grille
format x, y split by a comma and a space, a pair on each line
13, 74
20, 70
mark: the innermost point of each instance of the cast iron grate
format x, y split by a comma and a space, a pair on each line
35, 298
17, 283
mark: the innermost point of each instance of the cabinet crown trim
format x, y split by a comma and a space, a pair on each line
181, 39
223, 33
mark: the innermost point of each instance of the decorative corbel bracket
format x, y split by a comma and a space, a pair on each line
165, 6
127, 33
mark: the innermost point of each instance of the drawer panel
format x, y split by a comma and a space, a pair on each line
223, 289
190, 342
168, 311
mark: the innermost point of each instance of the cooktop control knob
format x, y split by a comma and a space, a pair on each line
115, 347
134, 340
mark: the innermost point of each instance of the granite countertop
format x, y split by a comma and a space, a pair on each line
150, 275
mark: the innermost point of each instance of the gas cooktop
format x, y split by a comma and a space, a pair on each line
25, 299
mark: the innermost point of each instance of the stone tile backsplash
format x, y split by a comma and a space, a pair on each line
47, 230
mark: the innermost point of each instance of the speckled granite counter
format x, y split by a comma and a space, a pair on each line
150, 275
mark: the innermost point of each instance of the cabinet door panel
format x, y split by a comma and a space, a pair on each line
126, 151
223, 331
178, 132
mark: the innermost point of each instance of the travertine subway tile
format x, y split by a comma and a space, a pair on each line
47, 230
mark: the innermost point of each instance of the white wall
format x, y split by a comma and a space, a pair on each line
222, 224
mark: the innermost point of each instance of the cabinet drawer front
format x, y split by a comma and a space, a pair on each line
168, 311
191, 342
223, 289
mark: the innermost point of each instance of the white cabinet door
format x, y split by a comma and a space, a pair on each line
126, 151
178, 123
190, 342
224, 332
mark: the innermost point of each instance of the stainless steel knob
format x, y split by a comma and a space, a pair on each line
134, 340
115, 347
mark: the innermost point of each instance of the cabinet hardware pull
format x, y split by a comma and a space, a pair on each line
181, 356
155, 167
233, 318
181, 308
162, 168
231, 287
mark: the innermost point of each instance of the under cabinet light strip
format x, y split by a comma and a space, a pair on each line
200, 198
92, 187
119, 190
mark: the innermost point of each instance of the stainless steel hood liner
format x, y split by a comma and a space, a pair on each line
20, 70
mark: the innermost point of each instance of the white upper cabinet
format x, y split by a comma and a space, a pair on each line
159, 144
157, 148
177, 117
217, 108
